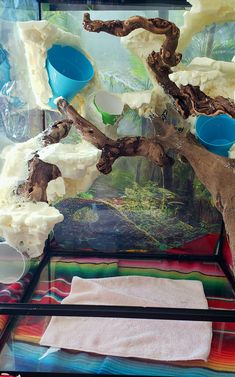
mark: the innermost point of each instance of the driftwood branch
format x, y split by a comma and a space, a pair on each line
154, 25
189, 100
217, 173
40, 172
113, 149
212, 170
56, 131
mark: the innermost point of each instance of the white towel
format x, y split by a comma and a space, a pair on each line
140, 338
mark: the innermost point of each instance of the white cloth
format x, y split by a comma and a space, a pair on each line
140, 338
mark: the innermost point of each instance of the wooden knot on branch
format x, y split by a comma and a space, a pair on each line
57, 131
107, 158
40, 174
199, 103
110, 27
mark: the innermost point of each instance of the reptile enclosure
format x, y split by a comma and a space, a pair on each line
163, 206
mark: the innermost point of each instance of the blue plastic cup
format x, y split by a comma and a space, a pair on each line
69, 71
200, 121
216, 133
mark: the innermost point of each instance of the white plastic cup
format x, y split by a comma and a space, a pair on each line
109, 106
13, 264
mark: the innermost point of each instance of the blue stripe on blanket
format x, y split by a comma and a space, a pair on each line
65, 362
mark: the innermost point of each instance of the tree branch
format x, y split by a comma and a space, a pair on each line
217, 173
87, 129
40, 172
113, 149
189, 100
56, 131
154, 25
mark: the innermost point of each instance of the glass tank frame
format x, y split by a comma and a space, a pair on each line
217, 257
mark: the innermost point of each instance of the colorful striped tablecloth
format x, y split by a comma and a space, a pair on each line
13, 293
23, 353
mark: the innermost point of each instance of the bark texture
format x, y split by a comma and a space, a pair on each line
40, 172
112, 149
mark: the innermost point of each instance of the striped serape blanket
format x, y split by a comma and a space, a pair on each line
23, 352
14, 292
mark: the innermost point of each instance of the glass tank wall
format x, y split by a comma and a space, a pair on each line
137, 207
17, 121
162, 208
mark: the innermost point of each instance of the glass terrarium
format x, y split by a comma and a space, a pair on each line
115, 213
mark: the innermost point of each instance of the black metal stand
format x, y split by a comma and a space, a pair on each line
55, 5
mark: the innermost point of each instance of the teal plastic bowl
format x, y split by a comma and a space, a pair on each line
216, 133
69, 71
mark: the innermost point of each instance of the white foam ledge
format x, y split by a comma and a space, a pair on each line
203, 13
25, 226
15, 167
37, 38
73, 160
215, 78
